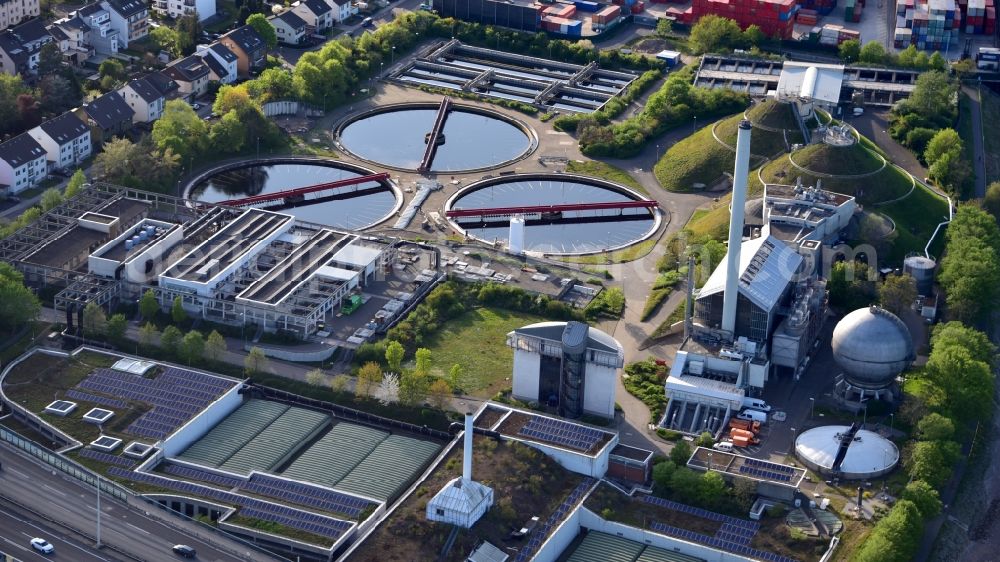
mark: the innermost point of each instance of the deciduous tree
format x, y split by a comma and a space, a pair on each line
369, 377
75, 184
51, 198
923, 496
147, 334
192, 347
170, 339
18, 305
116, 327
394, 353
256, 362
177, 312
897, 293
95, 322
315, 377
440, 392
215, 345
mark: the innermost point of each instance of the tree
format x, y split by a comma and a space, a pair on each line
664, 27
937, 62
966, 383
50, 60
951, 171
215, 345
897, 293
256, 362
228, 133
263, 28
753, 36
10, 88
192, 347
180, 130
662, 472
170, 339
895, 537
148, 305
852, 285
850, 50
907, 57
440, 392
95, 322
137, 164
711, 488
177, 312
975, 343
188, 30
388, 390
147, 334
164, 38
116, 327
935, 427
315, 377
394, 353
872, 53
413, 388
75, 183
58, 94
932, 461
423, 359
992, 200
113, 68
704, 440
51, 198
924, 497
684, 484
369, 376
457, 379
338, 383
945, 141
714, 33
29, 110
680, 453
18, 305
933, 95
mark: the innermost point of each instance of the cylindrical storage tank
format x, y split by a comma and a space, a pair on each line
128, 244
571, 379
922, 270
873, 346
515, 244
151, 230
143, 235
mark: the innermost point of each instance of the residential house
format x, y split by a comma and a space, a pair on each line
66, 140
249, 48
342, 9
191, 75
130, 18
72, 35
291, 29
221, 62
22, 164
108, 116
148, 95
13, 12
103, 37
178, 8
20, 46
317, 14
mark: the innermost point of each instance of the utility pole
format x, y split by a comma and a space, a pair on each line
98, 511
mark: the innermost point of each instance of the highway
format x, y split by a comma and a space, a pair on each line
73, 505
17, 528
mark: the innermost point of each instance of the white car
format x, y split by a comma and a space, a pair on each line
42, 545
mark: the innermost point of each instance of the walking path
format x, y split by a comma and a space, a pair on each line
978, 161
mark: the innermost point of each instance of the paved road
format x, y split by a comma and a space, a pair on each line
73, 505
17, 527
874, 124
978, 161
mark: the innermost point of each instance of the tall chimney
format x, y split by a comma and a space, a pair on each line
467, 449
740, 173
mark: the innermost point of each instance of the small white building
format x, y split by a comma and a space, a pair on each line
179, 8
317, 14
130, 18
222, 63
568, 364
290, 28
463, 500
191, 74
145, 98
22, 164
66, 140
103, 36
137, 254
342, 9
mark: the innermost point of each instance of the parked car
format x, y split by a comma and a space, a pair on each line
196, 106
183, 551
367, 22
42, 545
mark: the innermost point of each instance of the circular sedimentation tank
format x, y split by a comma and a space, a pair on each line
868, 454
568, 233
395, 136
345, 209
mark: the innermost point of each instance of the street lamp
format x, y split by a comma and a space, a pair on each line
393, 58
812, 407
891, 417
695, 126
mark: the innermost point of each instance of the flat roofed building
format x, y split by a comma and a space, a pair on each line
136, 254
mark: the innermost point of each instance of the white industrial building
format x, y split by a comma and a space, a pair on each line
136, 255
568, 364
811, 84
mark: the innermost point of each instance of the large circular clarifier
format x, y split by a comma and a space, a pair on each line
473, 138
571, 232
342, 208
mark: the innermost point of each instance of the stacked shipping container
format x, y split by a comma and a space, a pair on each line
928, 24
833, 35
606, 16
821, 7
775, 18
978, 16
852, 10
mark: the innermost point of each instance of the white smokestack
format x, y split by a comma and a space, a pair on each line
736, 226
467, 449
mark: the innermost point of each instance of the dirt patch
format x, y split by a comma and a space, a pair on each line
489, 417
650, 45
525, 483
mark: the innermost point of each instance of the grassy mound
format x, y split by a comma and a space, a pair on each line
855, 159
700, 158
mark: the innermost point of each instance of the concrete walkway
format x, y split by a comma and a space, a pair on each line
978, 150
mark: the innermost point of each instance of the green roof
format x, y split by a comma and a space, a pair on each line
232, 433
392, 464
336, 454
601, 547
277, 441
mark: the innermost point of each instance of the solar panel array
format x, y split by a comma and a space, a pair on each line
251, 507
88, 397
562, 433
106, 458
204, 476
538, 535
737, 534
306, 494
176, 396
766, 469
698, 512
721, 544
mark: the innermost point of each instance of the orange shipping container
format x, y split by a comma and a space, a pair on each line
742, 433
741, 442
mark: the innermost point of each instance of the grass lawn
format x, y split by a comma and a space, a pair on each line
604, 171
476, 340
991, 114
916, 217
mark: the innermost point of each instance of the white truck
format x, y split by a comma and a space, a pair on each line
752, 415
756, 404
